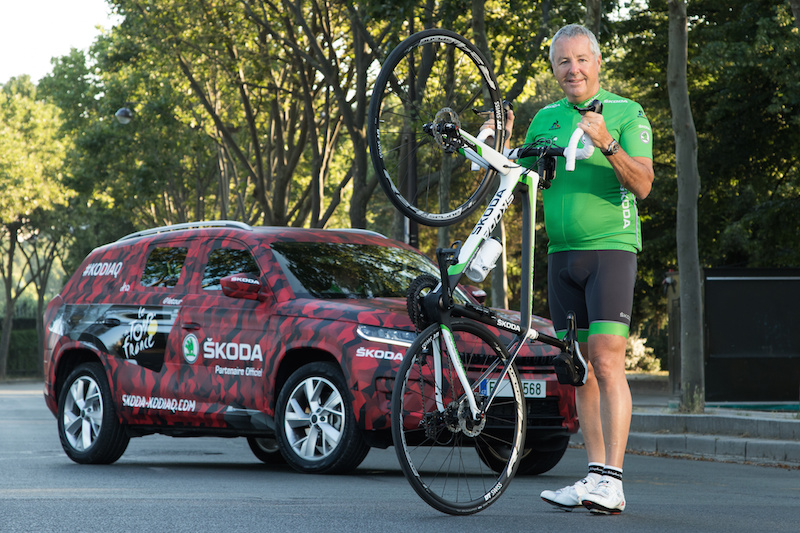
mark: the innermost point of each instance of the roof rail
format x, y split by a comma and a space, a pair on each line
358, 230
189, 225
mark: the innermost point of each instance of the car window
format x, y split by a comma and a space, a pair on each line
225, 262
346, 270
164, 266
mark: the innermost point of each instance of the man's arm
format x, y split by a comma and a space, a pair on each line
634, 173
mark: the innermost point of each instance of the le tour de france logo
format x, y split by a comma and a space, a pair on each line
141, 335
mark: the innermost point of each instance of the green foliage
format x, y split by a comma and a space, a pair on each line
31, 152
749, 116
745, 92
23, 353
743, 76
255, 110
154, 168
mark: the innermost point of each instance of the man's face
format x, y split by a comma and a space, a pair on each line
575, 68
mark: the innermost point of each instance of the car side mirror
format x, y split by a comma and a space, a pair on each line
477, 293
245, 286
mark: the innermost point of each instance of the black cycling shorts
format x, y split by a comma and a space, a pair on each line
597, 285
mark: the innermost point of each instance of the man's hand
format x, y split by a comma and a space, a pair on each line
595, 127
489, 124
634, 173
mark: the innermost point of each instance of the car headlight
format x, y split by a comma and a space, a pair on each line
397, 337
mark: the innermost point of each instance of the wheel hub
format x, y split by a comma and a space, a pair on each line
469, 426
445, 116
318, 418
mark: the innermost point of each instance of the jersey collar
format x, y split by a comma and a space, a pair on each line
598, 96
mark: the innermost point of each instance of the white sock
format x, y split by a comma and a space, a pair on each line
613, 475
595, 472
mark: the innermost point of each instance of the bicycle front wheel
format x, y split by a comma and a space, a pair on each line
456, 464
433, 77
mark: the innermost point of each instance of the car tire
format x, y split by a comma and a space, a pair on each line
266, 450
88, 426
538, 461
533, 460
316, 427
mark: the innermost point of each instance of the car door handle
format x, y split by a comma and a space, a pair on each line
111, 322
190, 325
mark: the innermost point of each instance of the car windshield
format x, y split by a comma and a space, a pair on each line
346, 270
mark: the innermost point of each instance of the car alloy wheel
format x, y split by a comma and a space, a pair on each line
314, 418
316, 427
83, 413
88, 427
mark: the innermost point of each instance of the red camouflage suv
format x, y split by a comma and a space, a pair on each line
288, 337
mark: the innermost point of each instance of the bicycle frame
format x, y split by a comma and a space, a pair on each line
453, 262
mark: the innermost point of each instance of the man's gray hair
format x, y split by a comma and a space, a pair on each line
575, 30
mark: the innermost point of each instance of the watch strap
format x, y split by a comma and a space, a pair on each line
613, 148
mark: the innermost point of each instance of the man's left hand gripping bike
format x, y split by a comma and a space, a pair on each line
458, 411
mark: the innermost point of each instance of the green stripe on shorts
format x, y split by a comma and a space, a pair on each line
609, 328
601, 328
583, 335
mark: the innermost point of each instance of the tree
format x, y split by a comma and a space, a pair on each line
743, 77
313, 36
692, 378
47, 238
594, 16
31, 156
746, 96
157, 169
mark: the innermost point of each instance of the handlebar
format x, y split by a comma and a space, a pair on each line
449, 136
571, 152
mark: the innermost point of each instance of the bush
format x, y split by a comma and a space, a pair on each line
639, 356
23, 354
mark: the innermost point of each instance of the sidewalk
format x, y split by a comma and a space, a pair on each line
721, 433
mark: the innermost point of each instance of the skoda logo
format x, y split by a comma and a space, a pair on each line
191, 348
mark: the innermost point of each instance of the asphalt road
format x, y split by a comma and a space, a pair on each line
207, 484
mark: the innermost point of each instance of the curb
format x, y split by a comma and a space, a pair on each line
731, 438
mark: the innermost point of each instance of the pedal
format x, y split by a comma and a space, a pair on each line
567, 372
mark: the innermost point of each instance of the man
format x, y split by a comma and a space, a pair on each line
594, 230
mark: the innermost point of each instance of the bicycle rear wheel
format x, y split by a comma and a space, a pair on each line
458, 466
432, 77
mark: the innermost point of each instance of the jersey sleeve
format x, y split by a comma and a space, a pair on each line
636, 135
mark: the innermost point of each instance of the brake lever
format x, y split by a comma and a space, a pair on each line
571, 152
508, 106
595, 106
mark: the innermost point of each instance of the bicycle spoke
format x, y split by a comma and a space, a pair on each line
456, 464
432, 75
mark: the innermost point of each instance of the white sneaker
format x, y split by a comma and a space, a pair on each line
570, 497
606, 498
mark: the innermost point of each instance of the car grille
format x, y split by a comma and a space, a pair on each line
535, 360
541, 412
523, 362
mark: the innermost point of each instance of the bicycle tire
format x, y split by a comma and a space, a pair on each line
444, 457
432, 76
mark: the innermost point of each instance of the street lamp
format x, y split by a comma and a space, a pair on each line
124, 115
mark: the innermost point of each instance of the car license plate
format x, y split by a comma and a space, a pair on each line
531, 388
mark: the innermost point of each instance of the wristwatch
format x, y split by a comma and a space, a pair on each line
613, 148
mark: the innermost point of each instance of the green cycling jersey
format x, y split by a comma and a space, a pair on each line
588, 209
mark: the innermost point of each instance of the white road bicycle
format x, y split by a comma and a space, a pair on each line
458, 411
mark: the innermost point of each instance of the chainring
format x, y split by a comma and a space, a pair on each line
415, 295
